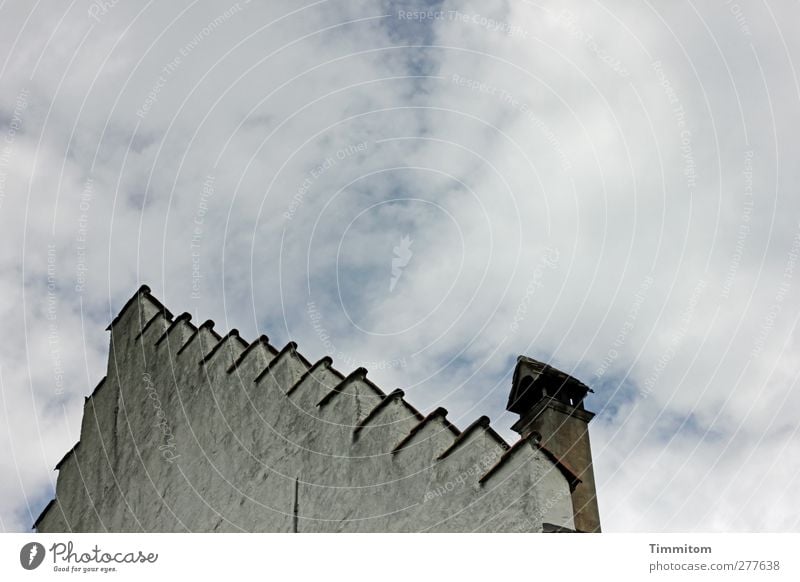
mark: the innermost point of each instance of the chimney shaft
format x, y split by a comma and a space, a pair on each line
550, 403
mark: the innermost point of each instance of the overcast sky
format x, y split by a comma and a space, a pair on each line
610, 188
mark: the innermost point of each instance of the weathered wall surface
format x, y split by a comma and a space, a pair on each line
193, 432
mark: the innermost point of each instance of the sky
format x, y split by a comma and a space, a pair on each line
427, 190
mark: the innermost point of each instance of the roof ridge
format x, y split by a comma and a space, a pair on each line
234, 333
143, 291
150, 321
482, 422
440, 412
324, 362
290, 347
301, 357
261, 341
185, 316
396, 393
43, 513
532, 438
357, 374
207, 324
571, 475
68, 454
360, 373
374, 386
97, 388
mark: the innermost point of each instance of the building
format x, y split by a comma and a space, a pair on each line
193, 431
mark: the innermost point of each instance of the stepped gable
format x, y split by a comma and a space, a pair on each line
323, 363
142, 292
143, 312
262, 344
232, 337
484, 424
441, 414
183, 317
357, 374
394, 395
206, 329
289, 348
565, 469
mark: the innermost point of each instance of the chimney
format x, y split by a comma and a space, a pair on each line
550, 404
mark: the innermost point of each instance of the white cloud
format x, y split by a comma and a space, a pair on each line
522, 132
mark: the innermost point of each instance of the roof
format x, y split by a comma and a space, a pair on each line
143, 290
360, 374
566, 470
438, 413
43, 513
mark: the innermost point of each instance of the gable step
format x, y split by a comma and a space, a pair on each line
289, 349
261, 342
158, 314
232, 335
483, 423
206, 325
187, 317
440, 413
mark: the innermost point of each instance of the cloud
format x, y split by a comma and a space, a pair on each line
606, 188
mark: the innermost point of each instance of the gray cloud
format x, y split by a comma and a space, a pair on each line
607, 187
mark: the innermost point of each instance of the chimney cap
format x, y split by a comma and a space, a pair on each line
535, 380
